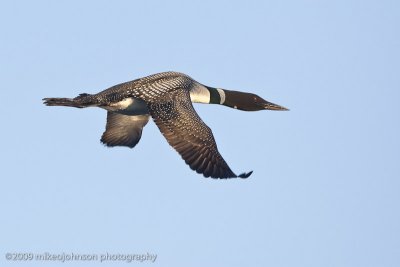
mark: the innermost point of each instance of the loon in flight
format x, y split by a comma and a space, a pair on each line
167, 97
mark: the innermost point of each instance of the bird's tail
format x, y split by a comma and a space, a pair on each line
82, 101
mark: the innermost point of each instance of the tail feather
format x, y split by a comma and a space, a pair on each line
67, 102
82, 101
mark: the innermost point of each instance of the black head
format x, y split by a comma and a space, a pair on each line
248, 102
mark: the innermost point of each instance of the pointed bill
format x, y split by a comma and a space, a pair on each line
272, 106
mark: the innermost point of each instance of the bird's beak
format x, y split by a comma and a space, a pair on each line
272, 106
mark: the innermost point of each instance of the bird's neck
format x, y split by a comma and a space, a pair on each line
217, 95
233, 99
206, 95
211, 95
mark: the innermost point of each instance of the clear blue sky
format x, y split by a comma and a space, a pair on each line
325, 188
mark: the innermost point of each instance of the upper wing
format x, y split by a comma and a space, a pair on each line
123, 130
189, 135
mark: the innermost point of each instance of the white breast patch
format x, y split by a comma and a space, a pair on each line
199, 94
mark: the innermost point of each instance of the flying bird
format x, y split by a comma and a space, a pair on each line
167, 97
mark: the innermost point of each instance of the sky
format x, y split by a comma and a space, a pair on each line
325, 187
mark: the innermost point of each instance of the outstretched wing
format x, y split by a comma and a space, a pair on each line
123, 130
189, 135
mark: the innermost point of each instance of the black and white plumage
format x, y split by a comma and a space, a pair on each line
167, 97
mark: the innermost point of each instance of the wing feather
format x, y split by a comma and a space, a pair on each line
189, 135
123, 130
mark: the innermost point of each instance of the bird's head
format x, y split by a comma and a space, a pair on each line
246, 101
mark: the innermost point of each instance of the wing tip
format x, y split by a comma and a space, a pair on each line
113, 143
245, 175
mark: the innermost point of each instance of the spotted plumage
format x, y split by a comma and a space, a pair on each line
167, 97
